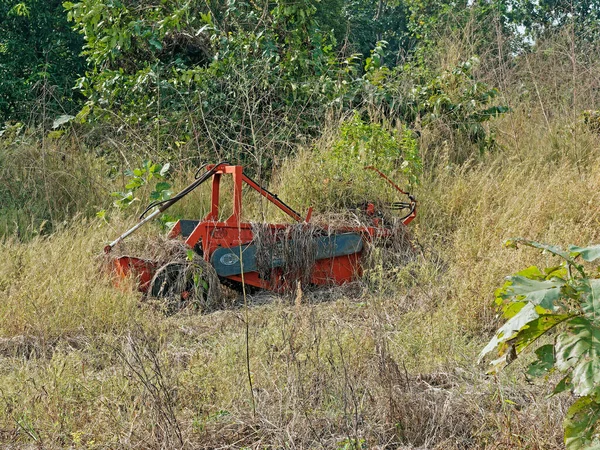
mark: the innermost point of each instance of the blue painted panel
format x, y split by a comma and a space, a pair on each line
226, 261
187, 226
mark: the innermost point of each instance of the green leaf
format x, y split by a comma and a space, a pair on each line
83, 114
558, 271
512, 309
162, 186
580, 425
563, 385
156, 44
536, 328
533, 273
165, 169
134, 184
61, 120
526, 315
579, 349
588, 254
590, 298
544, 363
20, 9
543, 293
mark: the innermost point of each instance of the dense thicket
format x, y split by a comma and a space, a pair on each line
160, 60
39, 60
249, 81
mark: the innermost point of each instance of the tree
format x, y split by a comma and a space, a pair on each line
39, 60
545, 17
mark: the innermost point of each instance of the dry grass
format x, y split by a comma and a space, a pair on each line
393, 365
382, 370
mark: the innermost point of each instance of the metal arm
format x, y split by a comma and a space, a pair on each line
164, 205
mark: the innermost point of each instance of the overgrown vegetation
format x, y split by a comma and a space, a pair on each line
491, 125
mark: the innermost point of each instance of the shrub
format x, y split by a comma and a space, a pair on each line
334, 178
536, 302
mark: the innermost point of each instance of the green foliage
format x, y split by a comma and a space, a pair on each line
453, 100
352, 444
542, 18
332, 178
456, 98
534, 303
368, 22
39, 60
364, 144
43, 184
250, 81
591, 120
142, 177
238, 78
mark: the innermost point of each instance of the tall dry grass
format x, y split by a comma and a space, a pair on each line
87, 365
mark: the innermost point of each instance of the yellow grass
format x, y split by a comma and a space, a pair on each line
86, 365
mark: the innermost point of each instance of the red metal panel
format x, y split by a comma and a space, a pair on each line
175, 231
215, 193
236, 217
142, 269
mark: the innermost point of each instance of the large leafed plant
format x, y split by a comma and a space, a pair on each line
560, 304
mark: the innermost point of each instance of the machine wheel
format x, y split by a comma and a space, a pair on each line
181, 284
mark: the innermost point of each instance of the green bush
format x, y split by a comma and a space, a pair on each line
39, 61
333, 177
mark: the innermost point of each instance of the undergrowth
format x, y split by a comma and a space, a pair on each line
372, 367
84, 364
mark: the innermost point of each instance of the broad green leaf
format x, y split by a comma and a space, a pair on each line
83, 114
164, 169
536, 328
512, 309
544, 363
503, 293
544, 293
579, 349
556, 272
580, 425
156, 44
162, 186
511, 328
590, 298
134, 183
588, 254
563, 385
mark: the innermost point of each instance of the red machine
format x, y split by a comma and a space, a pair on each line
230, 248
